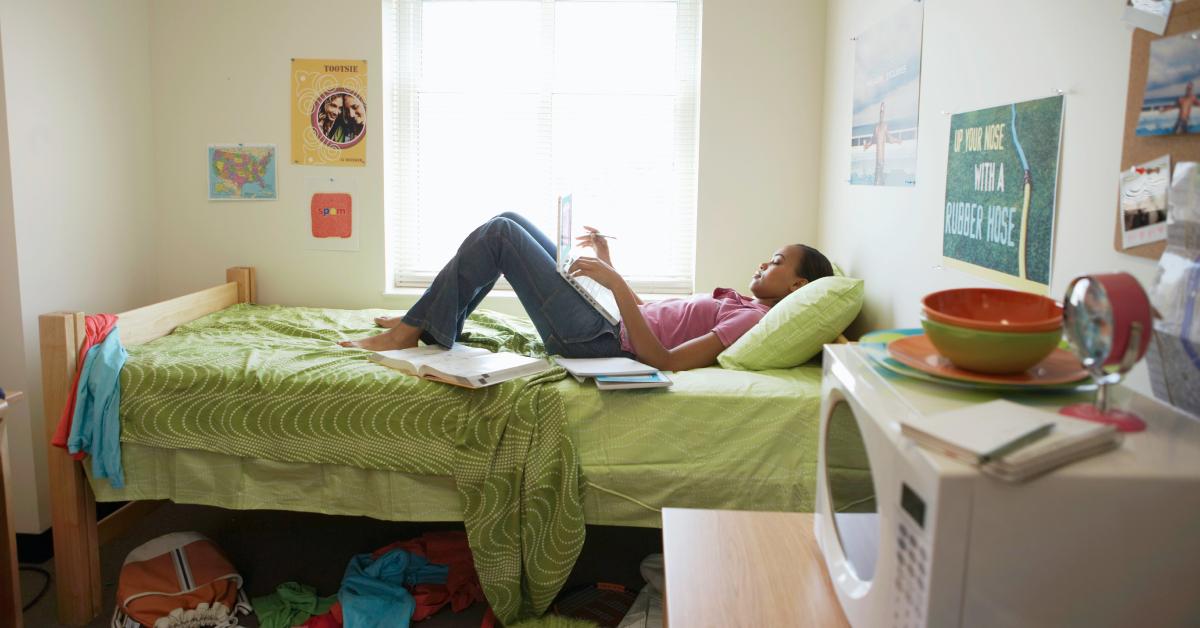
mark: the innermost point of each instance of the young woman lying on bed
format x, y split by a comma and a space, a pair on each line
673, 335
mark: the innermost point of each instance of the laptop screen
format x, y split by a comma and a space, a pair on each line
564, 229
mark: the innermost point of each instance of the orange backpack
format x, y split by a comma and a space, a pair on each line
179, 580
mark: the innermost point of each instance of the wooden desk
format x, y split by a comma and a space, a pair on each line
10, 584
730, 569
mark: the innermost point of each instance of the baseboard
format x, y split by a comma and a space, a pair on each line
35, 549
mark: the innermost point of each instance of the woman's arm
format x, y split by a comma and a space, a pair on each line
695, 353
598, 243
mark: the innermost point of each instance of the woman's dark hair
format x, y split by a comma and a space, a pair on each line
813, 264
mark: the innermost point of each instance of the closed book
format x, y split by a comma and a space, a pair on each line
981, 432
1071, 440
592, 367
623, 382
469, 367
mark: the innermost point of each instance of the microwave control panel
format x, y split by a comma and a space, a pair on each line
912, 562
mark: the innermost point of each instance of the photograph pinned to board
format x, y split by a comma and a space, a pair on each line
1150, 15
1174, 354
887, 93
330, 222
1169, 104
1001, 192
329, 112
1144, 202
241, 172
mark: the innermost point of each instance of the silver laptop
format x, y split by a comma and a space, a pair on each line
600, 297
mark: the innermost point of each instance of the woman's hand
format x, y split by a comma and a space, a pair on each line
598, 243
597, 269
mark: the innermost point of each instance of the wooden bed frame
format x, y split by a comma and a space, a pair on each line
77, 533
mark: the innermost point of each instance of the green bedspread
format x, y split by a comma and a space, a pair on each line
256, 407
255, 381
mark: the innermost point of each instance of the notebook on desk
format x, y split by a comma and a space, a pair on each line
597, 295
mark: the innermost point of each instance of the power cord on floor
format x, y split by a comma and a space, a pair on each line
45, 585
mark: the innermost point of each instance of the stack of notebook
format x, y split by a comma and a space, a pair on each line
615, 373
1010, 441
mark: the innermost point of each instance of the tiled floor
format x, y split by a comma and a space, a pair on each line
271, 547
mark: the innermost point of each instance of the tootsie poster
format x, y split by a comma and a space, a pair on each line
1001, 192
329, 112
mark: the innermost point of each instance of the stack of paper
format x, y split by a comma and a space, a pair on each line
978, 433
1071, 440
615, 373
1010, 441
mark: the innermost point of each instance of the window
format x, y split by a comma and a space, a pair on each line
502, 105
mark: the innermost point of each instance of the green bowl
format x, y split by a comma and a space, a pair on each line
995, 352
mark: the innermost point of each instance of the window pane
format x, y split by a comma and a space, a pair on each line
479, 156
614, 47
616, 155
501, 105
492, 46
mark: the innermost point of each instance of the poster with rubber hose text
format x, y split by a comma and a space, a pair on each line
1002, 191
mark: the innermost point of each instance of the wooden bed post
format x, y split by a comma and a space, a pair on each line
77, 534
243, 276
73, 506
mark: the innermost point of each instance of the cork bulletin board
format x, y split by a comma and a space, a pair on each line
1185, 17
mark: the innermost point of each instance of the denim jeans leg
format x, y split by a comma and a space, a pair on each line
503, 246
541, 239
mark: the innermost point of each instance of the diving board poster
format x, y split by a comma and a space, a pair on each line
329, 112
1001, 192
887, 90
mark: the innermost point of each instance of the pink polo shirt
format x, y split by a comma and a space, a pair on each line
676, 321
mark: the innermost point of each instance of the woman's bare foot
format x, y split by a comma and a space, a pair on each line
388, 322
403, 337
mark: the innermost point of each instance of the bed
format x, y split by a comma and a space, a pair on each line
247, 407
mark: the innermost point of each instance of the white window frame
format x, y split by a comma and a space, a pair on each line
402, 62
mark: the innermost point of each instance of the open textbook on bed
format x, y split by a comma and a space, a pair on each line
469, 367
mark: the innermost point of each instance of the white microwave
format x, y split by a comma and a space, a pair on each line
912, 538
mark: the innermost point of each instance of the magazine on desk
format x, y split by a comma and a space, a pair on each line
469, 367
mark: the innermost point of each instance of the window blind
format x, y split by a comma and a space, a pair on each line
503, 105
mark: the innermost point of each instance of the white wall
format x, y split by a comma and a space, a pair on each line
976, 55
222, 74
762, 66
77, 87
12, 335
759, 120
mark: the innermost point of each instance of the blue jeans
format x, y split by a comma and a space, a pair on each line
510, 245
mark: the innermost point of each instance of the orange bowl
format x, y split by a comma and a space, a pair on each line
993, 309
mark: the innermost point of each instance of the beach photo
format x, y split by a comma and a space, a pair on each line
1170, 99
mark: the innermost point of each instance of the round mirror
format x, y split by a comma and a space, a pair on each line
851, 491
1088, 321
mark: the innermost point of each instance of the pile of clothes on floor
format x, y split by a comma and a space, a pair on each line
404, 581
184, 580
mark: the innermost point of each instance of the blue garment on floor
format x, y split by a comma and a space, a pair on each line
96, 425
373, 593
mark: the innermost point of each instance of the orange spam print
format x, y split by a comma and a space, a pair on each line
331, 217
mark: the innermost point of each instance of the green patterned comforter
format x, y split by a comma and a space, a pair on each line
257, 387
270, 382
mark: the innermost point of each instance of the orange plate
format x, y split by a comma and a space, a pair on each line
1060, 367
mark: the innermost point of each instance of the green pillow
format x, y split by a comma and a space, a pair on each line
798, 326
